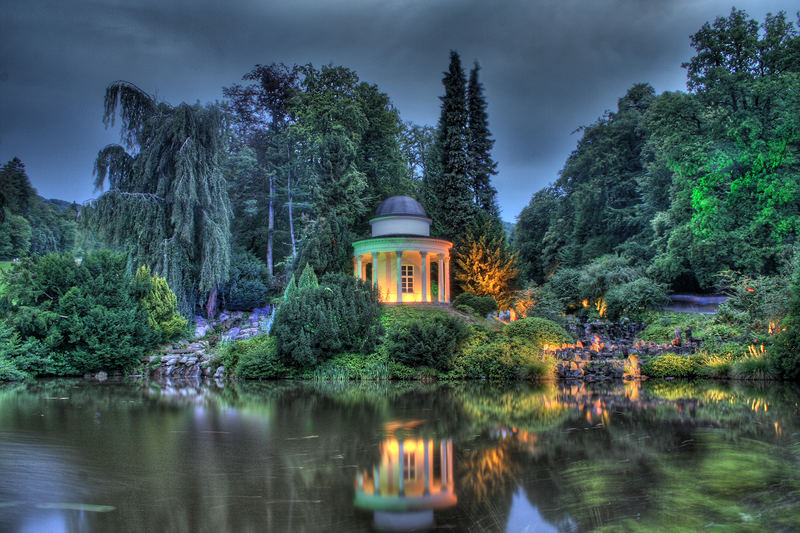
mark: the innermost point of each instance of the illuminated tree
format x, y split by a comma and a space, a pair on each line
485, 266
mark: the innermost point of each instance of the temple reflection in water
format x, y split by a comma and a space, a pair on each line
413, 478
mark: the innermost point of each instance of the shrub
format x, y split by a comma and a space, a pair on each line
537, 331
662, 326
731, 350
717, 334
503, 358
670, 365
431, 341
247, 286
373, 366
763, 298
9, 371
538, 302
634, 297
480, 305
784, 354
259, 359
756, 367
714, 366
76, 318
314, 323
563, 284
603, 273
160, 303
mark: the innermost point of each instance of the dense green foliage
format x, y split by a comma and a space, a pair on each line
476, 305
253, 358
685, 184
670, 365
785, 352
161, 305
318, 150
502, 358
433, 341
631, 299
28, 222
537, 331
340, 315
69, 318
248, 285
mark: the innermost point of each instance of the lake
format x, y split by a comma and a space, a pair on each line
139, 456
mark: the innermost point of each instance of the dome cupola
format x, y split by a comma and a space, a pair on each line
400, 215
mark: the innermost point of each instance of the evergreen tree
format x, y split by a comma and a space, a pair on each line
449, 194
479, 147
484, 265
308, 278
166, 202
16, 192
160, 303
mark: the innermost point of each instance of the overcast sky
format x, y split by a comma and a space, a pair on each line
548, 66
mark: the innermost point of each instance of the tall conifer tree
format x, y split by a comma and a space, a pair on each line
449, 195
167, 202
479, 147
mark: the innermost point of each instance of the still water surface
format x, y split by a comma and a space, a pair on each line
148, 457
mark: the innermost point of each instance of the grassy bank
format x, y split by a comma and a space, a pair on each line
417, 342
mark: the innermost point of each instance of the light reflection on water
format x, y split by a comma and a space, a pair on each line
138, 456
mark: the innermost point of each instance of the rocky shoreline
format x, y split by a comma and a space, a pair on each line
194, 360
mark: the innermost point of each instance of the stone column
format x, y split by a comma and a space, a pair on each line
375, 268
355, 267
399, 254
447, 278
360, 271
376, 477
441, 278
424, 272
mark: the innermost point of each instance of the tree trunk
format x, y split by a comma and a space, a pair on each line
271, 223
211, 303
289, 197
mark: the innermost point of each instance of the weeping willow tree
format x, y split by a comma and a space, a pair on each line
166, 201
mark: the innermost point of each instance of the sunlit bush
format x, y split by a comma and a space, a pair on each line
537, 331
671, 365
503, 358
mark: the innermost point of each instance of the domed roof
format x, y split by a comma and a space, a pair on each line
400, 205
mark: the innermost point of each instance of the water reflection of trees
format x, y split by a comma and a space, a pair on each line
284, 456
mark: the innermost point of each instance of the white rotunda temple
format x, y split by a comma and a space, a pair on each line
401, 258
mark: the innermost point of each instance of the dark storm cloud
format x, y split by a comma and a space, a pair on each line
548, 66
